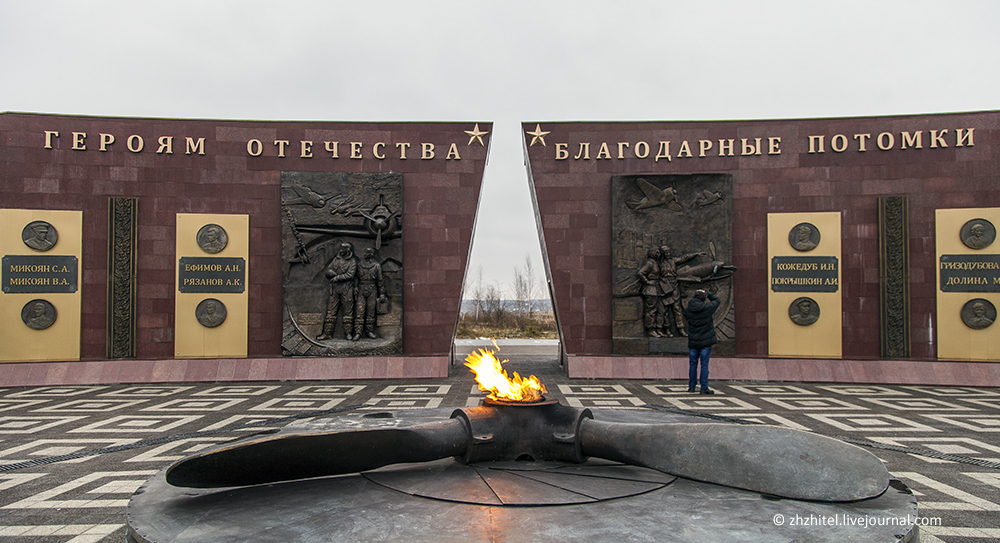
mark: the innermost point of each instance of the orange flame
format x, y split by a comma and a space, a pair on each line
492, 378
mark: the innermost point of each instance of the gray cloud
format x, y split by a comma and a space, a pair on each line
503, 62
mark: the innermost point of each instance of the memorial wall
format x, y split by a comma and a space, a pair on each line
850, 249
152, 250
147, 250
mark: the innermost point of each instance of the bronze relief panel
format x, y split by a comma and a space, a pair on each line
671, 235
342, 263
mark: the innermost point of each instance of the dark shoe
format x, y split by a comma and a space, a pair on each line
690, 389
707, 391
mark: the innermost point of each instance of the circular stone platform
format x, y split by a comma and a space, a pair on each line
442, 501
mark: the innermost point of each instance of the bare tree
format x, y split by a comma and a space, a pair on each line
522, 296
531, 284
493, 308
478, 292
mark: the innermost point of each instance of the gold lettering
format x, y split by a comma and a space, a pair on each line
356, 149
78, 143
335, 150
305, 149
166, 145
603, 152
281, 147
48, 138
913, 141
562, 153
402, 150
255, 147
584, 152
838, 143
426, 151
816, 148
195, 147
749, 150
938, 139
135, 143
453, 150
774, 145
663, 152
106, 139
645, 149
963, 140
885, 146
375, 152
862, 140
703, 146
726, 147
684, 151
622, 145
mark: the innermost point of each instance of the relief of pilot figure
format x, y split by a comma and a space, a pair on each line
342, 273
371, 291
649, 274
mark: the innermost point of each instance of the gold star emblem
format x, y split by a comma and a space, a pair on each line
537, 135
476, 135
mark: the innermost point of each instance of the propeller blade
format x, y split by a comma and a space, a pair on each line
291, 457
766, 459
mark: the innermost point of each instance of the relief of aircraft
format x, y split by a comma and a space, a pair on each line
655, 197
705, 271
306, 196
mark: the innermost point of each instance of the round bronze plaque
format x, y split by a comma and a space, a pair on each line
210, 313
979, 313
212, 238
39, 235
804, 237
804, 311
978, 234
38, 314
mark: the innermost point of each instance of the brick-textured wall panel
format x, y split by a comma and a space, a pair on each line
440, 198
575, 208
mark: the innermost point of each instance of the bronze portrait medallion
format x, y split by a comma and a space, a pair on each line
212, 238
210, 313
979, 313
38, 314
803, 311
804, 237
978, 234
39, 235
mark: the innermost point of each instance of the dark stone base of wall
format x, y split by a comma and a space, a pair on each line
18, 374
894, 372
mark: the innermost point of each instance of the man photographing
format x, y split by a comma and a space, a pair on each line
701, 336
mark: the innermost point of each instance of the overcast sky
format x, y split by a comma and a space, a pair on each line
505, 62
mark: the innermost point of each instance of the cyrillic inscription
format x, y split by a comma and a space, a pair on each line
804, 274
970, 273
211, 274
39, 273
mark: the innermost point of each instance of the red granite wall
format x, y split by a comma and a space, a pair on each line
574, 205
440, 197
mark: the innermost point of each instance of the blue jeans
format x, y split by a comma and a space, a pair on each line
704, 355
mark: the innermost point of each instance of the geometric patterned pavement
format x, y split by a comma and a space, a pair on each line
143, 428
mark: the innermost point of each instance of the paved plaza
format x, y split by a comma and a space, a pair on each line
71, 456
